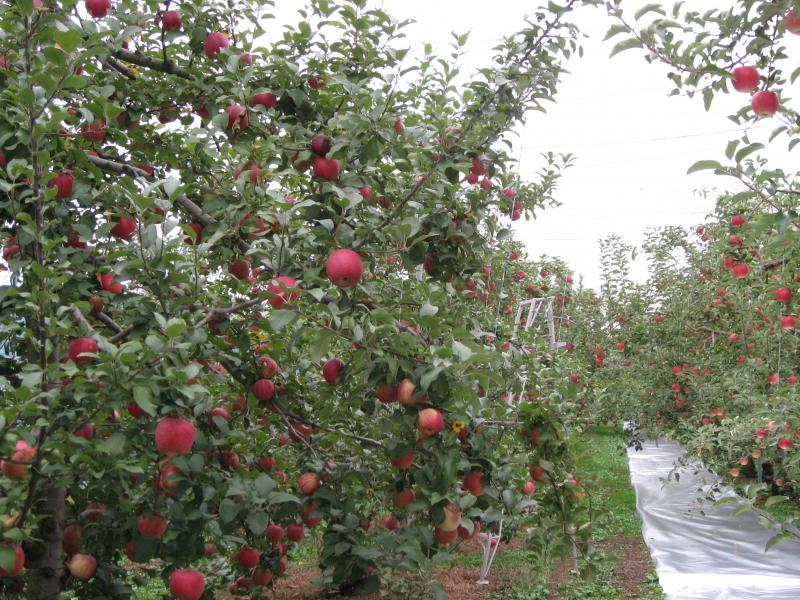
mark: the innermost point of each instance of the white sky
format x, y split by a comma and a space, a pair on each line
604, 109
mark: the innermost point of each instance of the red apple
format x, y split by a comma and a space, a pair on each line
263, 389
773, 378
402, 462
528, 488
274, 533
316, 82
187, 584
171, 20
793, 22
331, 370
124, 228
783, 295
344, 268
321, 144
265, 99
71, 540
248, 557
472, 483
429, 421
445, 537
98, 8
239, 269
168, 479
237, 117
151, 526
107, 283
309, 483
785, 443
220, 411
405, 393
269, 368
295, 532
262, 577
366, 192
538, 473
464, 534
404, 497
764, 103
63, 183
82, 566
94, 131
386, 393
282, 288
741, 270
326, 168
745, 79
788, 322
214, 42
306, 513
451, 519
196, 237
390, 522
80, 346
265, 463
23, 452
86, 431
175, 436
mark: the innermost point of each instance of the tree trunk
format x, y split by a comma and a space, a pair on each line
46, 570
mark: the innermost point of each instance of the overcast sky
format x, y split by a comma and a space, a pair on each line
633, 143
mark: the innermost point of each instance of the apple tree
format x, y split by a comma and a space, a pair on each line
714, 331
243, 267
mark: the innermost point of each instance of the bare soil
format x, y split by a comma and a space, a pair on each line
630, 573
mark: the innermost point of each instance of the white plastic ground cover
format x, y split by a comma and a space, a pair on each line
710, 556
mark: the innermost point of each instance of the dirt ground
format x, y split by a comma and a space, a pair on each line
630, 573
458, 582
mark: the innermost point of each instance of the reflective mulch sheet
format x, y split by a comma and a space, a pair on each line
710, 556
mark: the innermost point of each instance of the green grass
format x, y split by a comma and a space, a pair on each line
602, 463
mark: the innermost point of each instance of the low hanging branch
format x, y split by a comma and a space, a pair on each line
148, 62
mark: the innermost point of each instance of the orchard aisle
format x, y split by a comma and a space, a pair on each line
711, 556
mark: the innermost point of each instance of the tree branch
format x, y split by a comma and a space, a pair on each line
153, 63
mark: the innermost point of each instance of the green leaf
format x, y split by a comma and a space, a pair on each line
428, 310
264, 484
7, 558
228, 509
282, 497
703, 165
281, 318
648, 8
747, 150
257, 522
775, 540
773, 500
113, 444
69, 40
615, 30
429, 377
625, 45
141, 395
175, 327
321, 344
461, 351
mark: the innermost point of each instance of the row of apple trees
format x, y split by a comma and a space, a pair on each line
707, 351
256, 289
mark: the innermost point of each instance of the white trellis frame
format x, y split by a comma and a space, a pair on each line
490, 543
534, 307
527, 313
